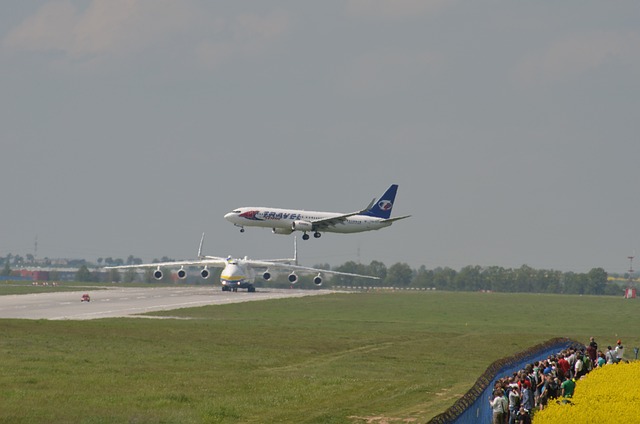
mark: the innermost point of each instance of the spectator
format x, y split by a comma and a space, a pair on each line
499, 406
514, 402
554, 388
592, 351
527, 397
579, 367
619, 351
611, 356
563, 366
572, 362
588, 364
544, 392
539, 382
523, 416
568, 387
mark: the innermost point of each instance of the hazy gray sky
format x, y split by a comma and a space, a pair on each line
512, 128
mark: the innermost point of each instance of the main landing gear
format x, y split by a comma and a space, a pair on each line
305, 236
250, 289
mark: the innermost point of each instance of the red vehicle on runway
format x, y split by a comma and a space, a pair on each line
85, 298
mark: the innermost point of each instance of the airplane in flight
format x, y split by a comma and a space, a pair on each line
375, 216
240, 273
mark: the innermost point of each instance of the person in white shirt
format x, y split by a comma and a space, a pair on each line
579, 367
619, 351
499, 406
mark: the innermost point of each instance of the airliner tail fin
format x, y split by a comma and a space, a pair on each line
382, 208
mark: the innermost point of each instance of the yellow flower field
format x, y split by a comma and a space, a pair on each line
606, 395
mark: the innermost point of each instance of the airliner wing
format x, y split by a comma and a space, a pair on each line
396, 219
323, 223
255, 263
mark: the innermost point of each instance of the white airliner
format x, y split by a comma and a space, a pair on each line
241, 273
285, 221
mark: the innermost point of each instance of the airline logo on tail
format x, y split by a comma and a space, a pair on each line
385, 205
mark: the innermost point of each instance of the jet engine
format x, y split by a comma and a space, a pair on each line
182, 273
204, 273
293, 278
284, 231
317, 280
267, 275
301, 226
157, 274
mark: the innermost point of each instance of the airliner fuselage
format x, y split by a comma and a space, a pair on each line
285, 221
375, 216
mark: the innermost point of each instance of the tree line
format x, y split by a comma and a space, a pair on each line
476, 278
400, 275
29, 259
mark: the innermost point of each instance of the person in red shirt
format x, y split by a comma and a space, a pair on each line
564, 366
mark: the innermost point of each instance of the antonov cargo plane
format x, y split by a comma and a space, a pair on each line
285, 221
241, 273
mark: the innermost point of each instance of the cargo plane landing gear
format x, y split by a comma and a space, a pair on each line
251, 289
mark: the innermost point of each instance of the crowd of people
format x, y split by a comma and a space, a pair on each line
516, 397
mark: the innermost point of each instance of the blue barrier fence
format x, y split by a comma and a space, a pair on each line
473, 407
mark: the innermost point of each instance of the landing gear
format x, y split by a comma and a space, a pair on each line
305, 236
316, 234
225, 288
251, 289
242, 229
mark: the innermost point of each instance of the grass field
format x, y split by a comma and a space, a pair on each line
341, 358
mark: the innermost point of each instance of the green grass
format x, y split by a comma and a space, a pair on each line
320, 359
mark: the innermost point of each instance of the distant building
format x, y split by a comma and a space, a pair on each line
45, 273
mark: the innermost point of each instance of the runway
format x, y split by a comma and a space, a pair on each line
128, 302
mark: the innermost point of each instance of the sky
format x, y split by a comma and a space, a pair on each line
130, 127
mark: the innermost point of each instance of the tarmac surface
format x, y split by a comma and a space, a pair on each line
129, 302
